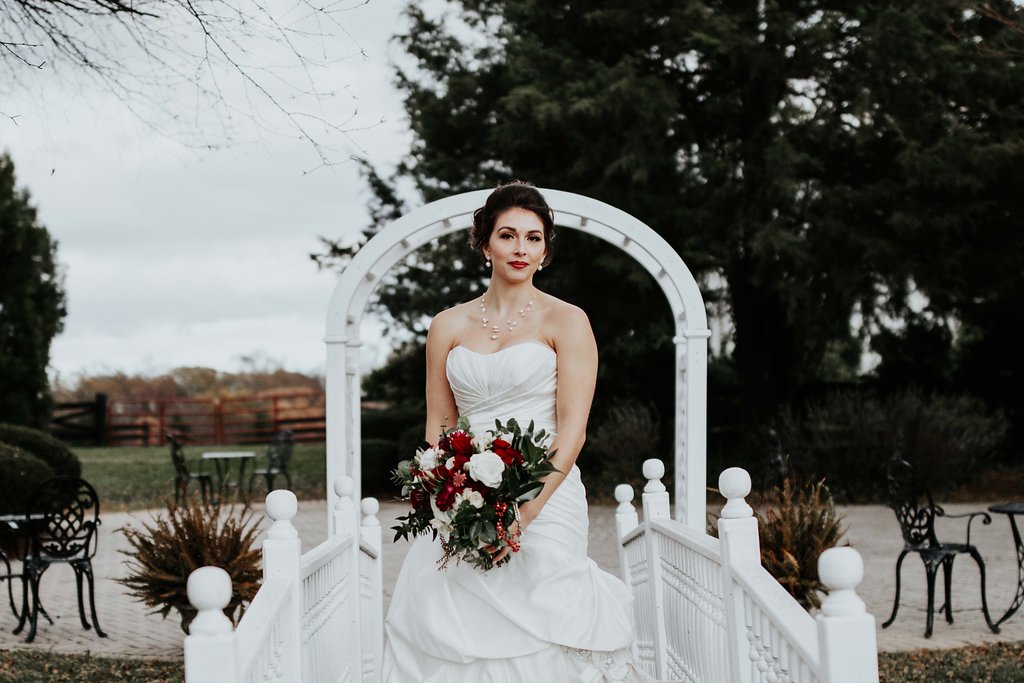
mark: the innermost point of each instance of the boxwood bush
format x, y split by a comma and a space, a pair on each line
48, 449
20, 474
847, 438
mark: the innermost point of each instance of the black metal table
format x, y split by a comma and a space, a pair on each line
1011, 510
222, 462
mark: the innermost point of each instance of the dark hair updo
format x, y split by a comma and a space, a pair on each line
514, 194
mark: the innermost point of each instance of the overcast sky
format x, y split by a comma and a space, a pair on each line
181, 257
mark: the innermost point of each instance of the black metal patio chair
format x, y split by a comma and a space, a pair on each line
916, 512
62, 520
183, 476
279, 454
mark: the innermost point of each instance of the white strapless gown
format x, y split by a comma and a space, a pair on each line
550, 615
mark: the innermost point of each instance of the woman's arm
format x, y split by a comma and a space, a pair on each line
441, 409
577, 375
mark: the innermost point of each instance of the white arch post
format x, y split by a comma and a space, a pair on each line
452, 214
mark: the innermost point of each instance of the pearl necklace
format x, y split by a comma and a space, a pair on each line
495, 329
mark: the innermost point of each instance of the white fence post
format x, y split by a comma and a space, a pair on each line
740, 544
371, 587
210, 655
282, 558
656, 507
847, 648
625, 521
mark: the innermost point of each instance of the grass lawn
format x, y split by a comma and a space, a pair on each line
1000, 663
136, 478
32, 666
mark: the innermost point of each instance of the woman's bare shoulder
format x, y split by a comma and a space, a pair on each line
448, 323
565, 320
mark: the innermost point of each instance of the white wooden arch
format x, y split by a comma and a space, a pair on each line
453, 214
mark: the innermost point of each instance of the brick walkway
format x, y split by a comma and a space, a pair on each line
872, 530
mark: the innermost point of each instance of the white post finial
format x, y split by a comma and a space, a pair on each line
847, 644
370, 508
209, 591
625, 515
654, 470
841, 570
345, 512
655, 496
282, 507
734, 483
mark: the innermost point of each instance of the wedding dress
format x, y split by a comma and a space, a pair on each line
547, 616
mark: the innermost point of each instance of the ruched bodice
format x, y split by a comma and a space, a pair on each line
518, 382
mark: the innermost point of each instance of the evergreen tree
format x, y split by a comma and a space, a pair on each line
822, 157
32, 306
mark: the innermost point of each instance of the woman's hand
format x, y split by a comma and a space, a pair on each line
527, 513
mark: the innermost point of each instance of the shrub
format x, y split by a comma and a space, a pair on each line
795, 524
848, 436
164, 553
379, 457
20, 474
623, 436
798, 524
40, 444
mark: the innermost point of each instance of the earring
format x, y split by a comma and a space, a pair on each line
487, 263
540, 267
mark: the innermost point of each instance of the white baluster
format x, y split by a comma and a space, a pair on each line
344, 507
847, 647
209, 647
282, 561
655, 496
739, 542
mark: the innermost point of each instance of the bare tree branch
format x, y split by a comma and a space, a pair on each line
268, 66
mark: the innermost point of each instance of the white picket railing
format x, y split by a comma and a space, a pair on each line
317, 617
707, 611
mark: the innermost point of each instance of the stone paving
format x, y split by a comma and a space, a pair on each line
871, 529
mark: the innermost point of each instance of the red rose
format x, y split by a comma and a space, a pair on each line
460, 444
446, 496
419, 500
503, 449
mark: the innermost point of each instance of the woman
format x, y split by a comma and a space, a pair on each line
547, 613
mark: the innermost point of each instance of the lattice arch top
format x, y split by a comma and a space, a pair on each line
452, 214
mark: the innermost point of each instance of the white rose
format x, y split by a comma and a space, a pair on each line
428, 459
469, 496
487, 468
444, 529
480, 444
449, 463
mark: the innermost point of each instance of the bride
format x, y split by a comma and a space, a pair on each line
547, 614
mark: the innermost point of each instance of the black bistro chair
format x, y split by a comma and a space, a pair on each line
63, 517
916, 513
183, 476
279, 453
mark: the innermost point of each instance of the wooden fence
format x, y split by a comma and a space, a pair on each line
210, 421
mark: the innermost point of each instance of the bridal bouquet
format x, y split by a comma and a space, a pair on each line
467, 489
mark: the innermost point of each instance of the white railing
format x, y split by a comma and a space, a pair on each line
707, 611
317, 617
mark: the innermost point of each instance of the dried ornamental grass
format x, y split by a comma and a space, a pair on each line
797, 525
164, 553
